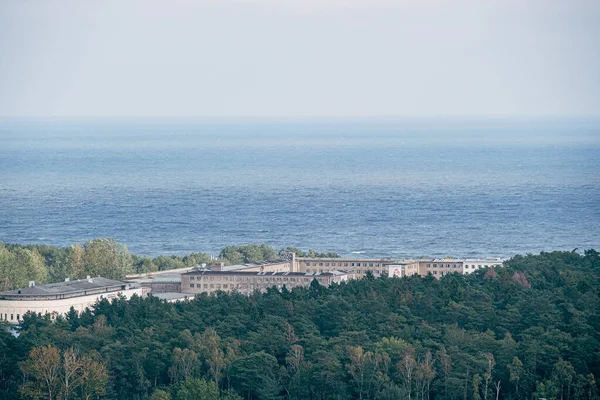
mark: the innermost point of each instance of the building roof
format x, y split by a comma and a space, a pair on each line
171, 296
53, 289
167, 279
237, 267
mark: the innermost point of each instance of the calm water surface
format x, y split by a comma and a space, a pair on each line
379, 187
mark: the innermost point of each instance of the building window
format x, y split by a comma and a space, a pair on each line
346, 264
212, 286
191, 278
225, 286
191, 285
308, 264
11, 317
218, 286
206, 286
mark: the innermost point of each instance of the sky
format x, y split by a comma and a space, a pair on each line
261, 58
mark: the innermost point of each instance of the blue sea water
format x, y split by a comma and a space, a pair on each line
381, 187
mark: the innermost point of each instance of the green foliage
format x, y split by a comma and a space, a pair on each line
309, 253
160, 395
196, 389
250, 253
255, 376
20, 265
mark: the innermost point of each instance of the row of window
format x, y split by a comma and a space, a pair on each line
358, 271
264, 279
343, 264
218, 286
455, 266
212, 285
233, 278
11, 317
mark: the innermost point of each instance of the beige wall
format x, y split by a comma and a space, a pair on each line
18, 308
439, 268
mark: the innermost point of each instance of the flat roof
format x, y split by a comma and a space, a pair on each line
171, 295
167, 279
53, 289
251, 265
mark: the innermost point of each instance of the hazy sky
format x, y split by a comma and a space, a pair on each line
299, 57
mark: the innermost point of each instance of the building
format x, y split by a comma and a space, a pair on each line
246, 282
440, 267
472, 265
266, 266
172, 297
170, 281
58, 298
165, 284
444, 266
402, 269
357, 266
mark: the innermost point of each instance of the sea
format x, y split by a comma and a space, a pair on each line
363, 187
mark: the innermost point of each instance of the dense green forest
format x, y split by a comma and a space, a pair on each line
528, 330
20, 264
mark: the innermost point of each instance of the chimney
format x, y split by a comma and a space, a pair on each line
31, 283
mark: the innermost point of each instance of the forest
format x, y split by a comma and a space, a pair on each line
527, 330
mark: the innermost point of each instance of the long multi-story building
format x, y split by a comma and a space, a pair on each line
357, 266
444, 266
246, 282
293, 271
394, 267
